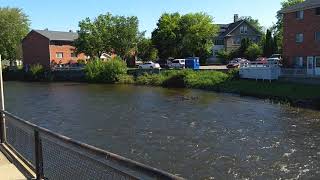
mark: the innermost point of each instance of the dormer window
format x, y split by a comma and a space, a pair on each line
243, 29
299, 15
318, 11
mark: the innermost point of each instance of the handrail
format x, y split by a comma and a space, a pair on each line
97, 151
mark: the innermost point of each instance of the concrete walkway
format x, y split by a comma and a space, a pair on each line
8, 171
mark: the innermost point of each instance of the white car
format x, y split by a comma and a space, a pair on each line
178, 64
149, 65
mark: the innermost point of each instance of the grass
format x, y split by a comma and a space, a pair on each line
294, 91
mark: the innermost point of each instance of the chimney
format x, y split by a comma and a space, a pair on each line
46, 29
70, 31
235, 17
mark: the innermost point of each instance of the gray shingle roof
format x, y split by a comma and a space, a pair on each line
58, 35
308, 4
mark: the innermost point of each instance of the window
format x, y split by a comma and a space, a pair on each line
317, 36
299, 15
298, 62
243, 29
318, 11
73, 54
299, 38
237, 40
59, 55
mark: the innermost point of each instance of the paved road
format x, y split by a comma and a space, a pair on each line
8, 171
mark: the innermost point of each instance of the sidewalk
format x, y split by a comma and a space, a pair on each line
8, 171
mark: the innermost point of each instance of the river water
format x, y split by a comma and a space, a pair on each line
191, 133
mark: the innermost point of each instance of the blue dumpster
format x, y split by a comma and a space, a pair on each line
192, 63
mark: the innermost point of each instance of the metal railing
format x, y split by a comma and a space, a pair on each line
53, 156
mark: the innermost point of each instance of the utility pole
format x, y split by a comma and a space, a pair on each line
2, 118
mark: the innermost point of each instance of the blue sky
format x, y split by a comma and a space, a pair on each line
64, 15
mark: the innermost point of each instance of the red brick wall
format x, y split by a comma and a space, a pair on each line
35, 49
66, 50
309, 25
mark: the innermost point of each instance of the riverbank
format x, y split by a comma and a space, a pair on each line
295, 94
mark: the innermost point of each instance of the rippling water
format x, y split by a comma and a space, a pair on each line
195, 134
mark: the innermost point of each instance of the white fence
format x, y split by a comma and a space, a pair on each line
260, 71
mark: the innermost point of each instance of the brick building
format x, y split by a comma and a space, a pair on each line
301, 38
49, 47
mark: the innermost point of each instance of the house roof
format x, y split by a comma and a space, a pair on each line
308, 4
226, 29
58, 35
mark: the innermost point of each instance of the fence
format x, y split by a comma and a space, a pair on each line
294, 72
53, 156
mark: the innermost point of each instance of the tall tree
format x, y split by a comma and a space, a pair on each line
268, 44
278, 27
253, 52
188, 35
197, 31
146, 50
254, 22
14, 26
166, 37
108, 34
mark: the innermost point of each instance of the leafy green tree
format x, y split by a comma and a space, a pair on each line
278, 27
146, 50
14, 26
253, 52
268, 44
108, 34
166, 37
254, 22
245, 43
197, 31
188, 35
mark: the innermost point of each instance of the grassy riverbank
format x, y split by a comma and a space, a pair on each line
301, 95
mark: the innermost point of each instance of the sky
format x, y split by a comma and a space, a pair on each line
64, 15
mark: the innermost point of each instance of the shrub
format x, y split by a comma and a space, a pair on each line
205, 79
125, 79
151, 79
105, 72
36, 72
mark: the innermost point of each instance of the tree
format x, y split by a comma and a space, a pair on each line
268, 44
197, 32
14, 26
166, 36
253, 52
181, 36
146, 50
254, 22
245, 43
108, 34
278, 27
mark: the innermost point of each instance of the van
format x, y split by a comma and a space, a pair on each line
178, 64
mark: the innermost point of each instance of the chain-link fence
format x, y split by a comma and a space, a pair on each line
53, 156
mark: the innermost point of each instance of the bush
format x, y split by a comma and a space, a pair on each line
36, 73
205, 79
105, 72
150, 79
125, 79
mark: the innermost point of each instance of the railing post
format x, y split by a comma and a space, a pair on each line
38, 155
2, 119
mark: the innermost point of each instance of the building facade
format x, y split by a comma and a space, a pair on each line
231, 35
49, 48
301, 37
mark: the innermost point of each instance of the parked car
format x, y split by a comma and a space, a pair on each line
274, 61
279, 56
262, 60
178, 64
149, 65
235, 63
163, 63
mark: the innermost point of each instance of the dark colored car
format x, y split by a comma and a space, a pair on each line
235, 63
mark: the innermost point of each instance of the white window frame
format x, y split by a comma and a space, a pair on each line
59, 53
299, 15
299, 38
299, 61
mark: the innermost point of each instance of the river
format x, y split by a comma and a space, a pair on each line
195, 134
